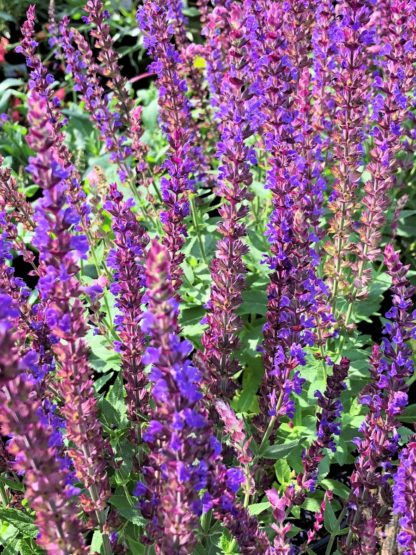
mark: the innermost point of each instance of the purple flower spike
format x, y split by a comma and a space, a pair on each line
235, 110
156, 22
32, 447
404, 501
58, 266
127, 259
386, 396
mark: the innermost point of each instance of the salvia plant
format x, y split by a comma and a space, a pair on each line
210, 350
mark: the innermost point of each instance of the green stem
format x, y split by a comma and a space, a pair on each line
268, 432
333, 536
3, 494
197, 229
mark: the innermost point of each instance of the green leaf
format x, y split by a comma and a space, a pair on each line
17, 486
330, 520
254, 302
369, 307
409, 415
340, 489
258, 508
96, 542
27, 546
312, 504
20, 520
31, 190
278, 451
252, 378
8, 83
283, 471
124, 509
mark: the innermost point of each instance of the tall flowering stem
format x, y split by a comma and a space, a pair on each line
391, 107
108, 122
60, 251
155, 21
47, 478
220, 340
353, 35
41, 82
324, 49
130, 116
127, 259
15, 209
327, 428
386, 396
180, 448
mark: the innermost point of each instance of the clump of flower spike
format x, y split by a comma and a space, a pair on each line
404, 502
175, 115
46, 477
60, 250
386, 396
184, 456
220, 339
127, 259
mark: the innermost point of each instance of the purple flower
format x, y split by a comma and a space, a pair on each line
235, 110
127, 259
404, 499
176, 121
58, 283
34, 449
386, 396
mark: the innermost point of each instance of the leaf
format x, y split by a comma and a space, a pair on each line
278, 451
283, 471
136, 547
17, 486
8, 83
31, 190
28, 547
114, 407
150, 114
131, 514
102, 358
254, 302
409, 415
20, 520
258, 508
340, 489
330, 520
96, 542
369, 307
312, 504
252, 378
